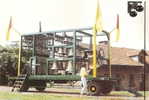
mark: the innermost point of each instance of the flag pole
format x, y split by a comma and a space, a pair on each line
19, 58
8, 37
109, 43
40, 28
109, 55
145, 48
94, 52
96, 28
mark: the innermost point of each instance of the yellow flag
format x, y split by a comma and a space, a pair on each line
96, 28
117, 29
98, 24
9, 28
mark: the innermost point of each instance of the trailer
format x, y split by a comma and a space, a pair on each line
56, 57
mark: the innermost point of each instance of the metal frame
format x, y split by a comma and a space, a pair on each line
53, 35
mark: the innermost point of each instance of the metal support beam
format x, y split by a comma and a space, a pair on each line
74, 52
33, 54
53, 43
109, 51
109, 55
47, 67
85, 33
59, 31
90, 42
145, 65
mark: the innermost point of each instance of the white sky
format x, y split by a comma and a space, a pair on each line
63, 14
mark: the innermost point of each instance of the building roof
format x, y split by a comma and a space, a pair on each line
122, 56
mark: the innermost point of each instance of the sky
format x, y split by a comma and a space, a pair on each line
65, 14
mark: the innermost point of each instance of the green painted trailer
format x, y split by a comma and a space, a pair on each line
96, 86
57, 56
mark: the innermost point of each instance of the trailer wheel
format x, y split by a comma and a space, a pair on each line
106, 87
94, 88
25, 88
41, 86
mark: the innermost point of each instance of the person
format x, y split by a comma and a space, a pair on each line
83, 75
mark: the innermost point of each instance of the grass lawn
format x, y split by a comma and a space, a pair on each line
49, 96
125, 93
39, 96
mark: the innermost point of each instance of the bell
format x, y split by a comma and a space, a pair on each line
54, 66
60, 51
69, 67
56, 53
65, 40
70, 53
81, 54
65, 51
64, 65
49, 42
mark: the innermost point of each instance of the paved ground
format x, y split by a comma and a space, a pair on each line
75, 92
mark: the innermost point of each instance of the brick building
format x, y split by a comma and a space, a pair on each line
126, 67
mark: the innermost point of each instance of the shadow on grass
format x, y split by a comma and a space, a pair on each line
77, 94
56, 92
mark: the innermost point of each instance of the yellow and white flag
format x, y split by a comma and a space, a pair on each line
98, 24
117, 28
9, 28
